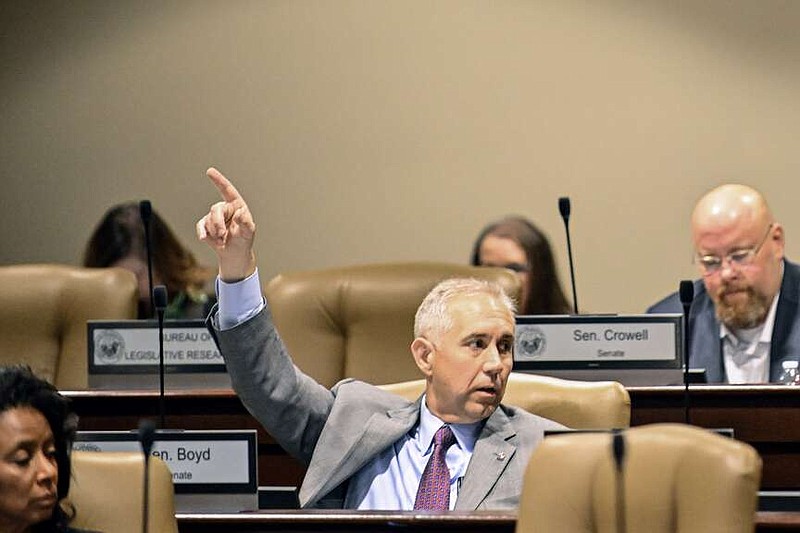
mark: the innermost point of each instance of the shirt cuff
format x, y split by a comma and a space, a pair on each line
239, 301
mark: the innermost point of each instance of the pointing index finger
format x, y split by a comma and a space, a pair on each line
224, 186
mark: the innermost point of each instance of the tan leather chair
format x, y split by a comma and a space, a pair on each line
576, 404
358, 321
677, 478
44, 313
106, 492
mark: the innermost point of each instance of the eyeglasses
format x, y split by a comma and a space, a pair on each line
711, 264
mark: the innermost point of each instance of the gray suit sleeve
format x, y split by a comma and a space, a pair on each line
291, 406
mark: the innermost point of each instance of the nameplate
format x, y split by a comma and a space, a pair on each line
124, 355
200, 461
215, 470
601, 341
131, 346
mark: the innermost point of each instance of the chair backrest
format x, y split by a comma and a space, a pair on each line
44, 313
358, 321
576, 404
676, 478
107, 492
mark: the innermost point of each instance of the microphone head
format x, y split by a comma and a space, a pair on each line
564, 207
145, 210
686, 292
618, 448
147, 434
160, 297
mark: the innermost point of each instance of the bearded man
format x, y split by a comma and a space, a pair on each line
743, 324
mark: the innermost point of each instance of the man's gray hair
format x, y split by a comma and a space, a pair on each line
433, 315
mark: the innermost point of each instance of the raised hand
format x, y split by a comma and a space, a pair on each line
229, 229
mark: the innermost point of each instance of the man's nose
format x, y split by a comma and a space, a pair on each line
493, 362
727, 270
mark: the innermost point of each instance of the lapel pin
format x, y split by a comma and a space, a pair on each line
500, 456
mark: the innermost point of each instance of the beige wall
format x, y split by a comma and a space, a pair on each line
366, 131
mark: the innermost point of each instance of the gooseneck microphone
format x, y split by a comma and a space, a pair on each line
147, 432
686, 292
146, 212
618, 452
160, 304
564, 208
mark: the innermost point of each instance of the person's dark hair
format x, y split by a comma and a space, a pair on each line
546, 295
120, 233
19, 387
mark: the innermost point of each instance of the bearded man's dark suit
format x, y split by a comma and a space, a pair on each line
705, 345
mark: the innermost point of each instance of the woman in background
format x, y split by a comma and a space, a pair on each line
37, 428
118, 241
517, 244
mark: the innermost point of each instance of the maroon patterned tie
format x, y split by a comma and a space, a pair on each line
434, 487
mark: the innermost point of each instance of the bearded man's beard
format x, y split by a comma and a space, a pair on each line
746, 309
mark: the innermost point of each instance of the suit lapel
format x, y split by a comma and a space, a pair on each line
785, 316
379, 432
705, 342
493, 451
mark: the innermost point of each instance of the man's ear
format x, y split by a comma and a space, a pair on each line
422, 350
779, 239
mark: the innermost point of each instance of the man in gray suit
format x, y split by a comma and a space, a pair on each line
744, 322
456, 447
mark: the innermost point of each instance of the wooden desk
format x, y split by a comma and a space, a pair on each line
207, 409
318, 521
314, 521
767, 417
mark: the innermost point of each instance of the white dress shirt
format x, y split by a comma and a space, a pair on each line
390, 480
745, 352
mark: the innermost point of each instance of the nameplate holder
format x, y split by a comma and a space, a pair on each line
124, 355
631, 349
213, 471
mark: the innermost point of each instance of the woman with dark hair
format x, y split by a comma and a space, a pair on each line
517, 244
37, 428
119, 241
